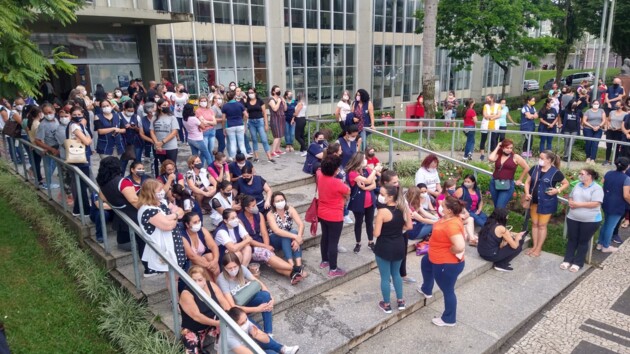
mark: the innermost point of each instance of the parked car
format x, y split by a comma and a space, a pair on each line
575, 80
547, 85
530, 85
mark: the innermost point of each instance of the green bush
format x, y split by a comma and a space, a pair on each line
406, 168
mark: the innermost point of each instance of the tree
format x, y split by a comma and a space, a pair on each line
568, 29
590, 16
22, 65
498, 29
428, 56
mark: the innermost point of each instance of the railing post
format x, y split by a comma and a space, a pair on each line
223, 328
62, 186
13, 152
77, 182
452, 144
174, 304
529, 145
391, 154
136, 265
571, 141
24, 168
308, 129
420, 141
101, 215
614, 153
32, 160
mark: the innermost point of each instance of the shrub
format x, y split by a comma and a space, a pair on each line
406, 168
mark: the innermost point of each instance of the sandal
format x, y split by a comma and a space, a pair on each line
564, 265
473, 243
625, 223
574, 268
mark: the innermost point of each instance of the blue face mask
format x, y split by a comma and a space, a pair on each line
451, 191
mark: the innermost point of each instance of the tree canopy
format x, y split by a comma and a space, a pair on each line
590, 13
22, 65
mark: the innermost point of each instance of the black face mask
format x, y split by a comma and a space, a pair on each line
320, 141
198, 165
77, 119
165, 110
615, 85
247, 180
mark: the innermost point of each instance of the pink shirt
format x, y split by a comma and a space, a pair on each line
207, 114
192, 127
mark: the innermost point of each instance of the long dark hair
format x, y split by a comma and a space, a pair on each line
108, 170
498, 217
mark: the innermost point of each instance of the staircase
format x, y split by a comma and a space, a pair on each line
339, 315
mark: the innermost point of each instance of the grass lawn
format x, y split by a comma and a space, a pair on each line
543, 75
39, 303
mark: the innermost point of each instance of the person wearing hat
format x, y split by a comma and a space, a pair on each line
616, 195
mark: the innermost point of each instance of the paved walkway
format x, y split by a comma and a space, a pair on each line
593, 318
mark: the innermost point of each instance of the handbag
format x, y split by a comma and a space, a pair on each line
311, 213
129, 154
246, 293
527, 203
75, 150
12, 129
502, 184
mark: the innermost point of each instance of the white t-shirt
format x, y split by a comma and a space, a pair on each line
179, 103
162, 238
344, 109
430, 178
223, 238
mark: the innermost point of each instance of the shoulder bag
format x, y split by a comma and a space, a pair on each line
12, 128
527, 203
502, 184
311, 212
75, 150
246, 293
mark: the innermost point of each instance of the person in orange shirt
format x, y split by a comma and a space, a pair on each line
445, 260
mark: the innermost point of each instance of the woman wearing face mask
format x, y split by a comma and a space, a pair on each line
257, 123
234, 114
363, 114
195, 128
277, 108
449, 106
132, 131
234, 277
362, 181
372, 160
217, 103
616, 195
144, 125
571, 121
350, 142
208, 124
282, 221
502, 183
158, 222
315, 154
169, 177
221, 201
469, 192
198, 319
613, 130
60, 136
593, 122
45, 139
178, 100
390, 223
548, 121
219, 169
136, 175
199, 245
528, 115
422, 220
505, 115
289, 118
236, 345
262, 248
83, 95
300, 122
497, 243
237, 165
541, 189
77, 130
428, 174
343, 108
164, 130
255, 186
110, 128
231, 236
583, 219
200, 183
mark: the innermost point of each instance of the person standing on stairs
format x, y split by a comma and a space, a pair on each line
390, 223
616, 195
497, 243
445, 260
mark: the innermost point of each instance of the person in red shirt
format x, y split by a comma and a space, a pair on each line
333, 194
372, 160
419, 112
470, 120
445, 260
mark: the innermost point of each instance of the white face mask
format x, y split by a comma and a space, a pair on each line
84, 92
50, 117
19, 108
595, 106
196, 227
541, 162
232, 87
245, 327
107, 110
203, 104
252, 96
358, 98
233, 222
219, 101
64, 120
424, 195
352, 138
281, 205
581, 178
160, 195
468, 185
128, 114
364, 164
232, 272
118, 94
346, 97
432, 170
381, 199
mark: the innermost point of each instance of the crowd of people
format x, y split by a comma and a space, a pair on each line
248, 223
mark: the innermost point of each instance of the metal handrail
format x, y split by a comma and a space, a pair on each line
173, 269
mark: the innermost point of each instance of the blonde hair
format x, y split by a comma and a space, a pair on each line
146, 196
413, 197
196, 269
191, 160
229, 258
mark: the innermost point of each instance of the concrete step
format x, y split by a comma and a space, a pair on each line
489, 310
300, 197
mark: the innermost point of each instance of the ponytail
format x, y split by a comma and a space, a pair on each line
555, 159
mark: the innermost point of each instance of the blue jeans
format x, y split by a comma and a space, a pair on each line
199, 147
49, 169
271, 347
183, 133
480, 219
284, 243
208, 140
289, 133
445, 275
419, 231
500, 199
257, 131
470, 142
260, 298
236, 136
606, 232
390, 270
15, 152
220, 135
545, 142
590, 147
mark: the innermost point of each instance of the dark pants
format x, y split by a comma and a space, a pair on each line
221, 140
502, 135
80, 191
37, 166
403, 264
528, 143
579, 235
590, 147
504, 255
613, 135
300, 125
331, 232
182, 132
369, 224
470, 142
170, 155
494, 137
445, 275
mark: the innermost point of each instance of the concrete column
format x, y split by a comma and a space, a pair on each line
364, 48
516, 80
477, 79
276, 62
148, 53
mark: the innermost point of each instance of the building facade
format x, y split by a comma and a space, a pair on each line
315, 47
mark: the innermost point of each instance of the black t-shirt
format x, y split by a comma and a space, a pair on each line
557, 178
571, 121
254, 110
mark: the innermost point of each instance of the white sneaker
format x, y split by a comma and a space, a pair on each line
598, 247
610, 249
342, 249
438, 322
419, 289
304, 153
290, 350
347, 219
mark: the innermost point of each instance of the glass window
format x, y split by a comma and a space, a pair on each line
349, 55
379, 7
350, 22
225, 56
400, 12
325, 20
205, 54
165, 54
324, 5
338, 5
311, 19
241, 14
260, 57
221, 12
338, 18
298, 55
297, 4
243, 55
261, 76
184, 55
258, 15
82, 45
203, 11
312, 57
298, 78
349, 6
297, 18
311, 4
313, 77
